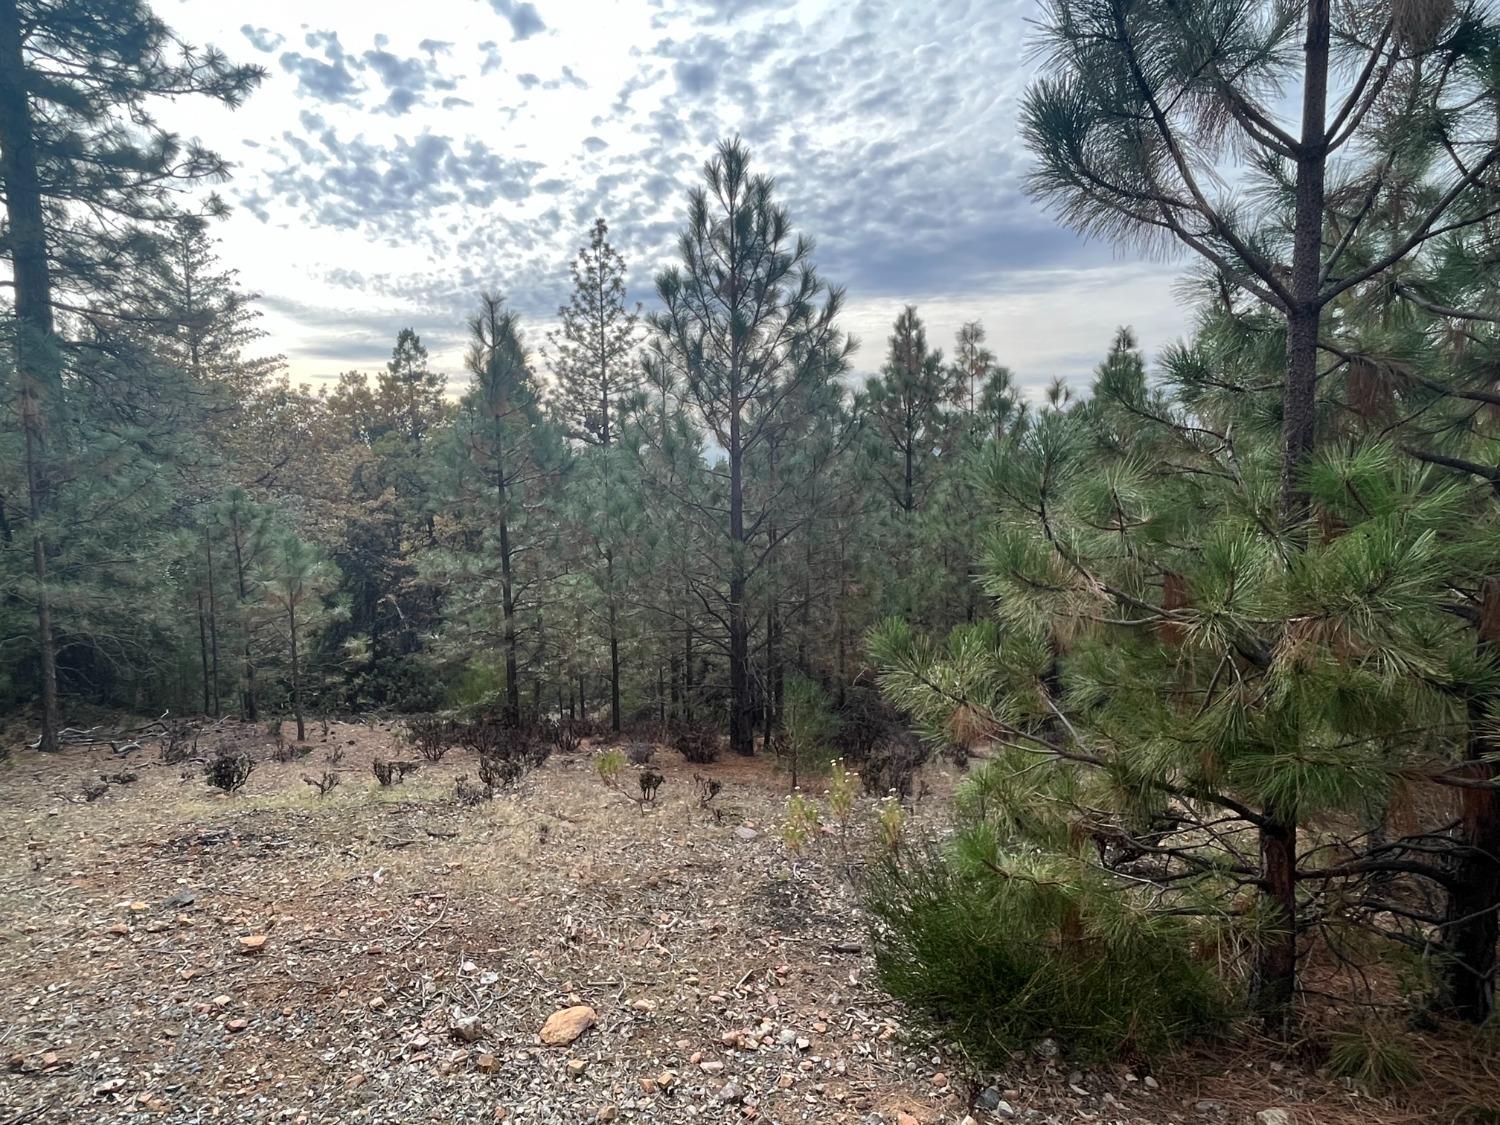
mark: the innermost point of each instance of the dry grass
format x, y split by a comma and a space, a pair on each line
381, 905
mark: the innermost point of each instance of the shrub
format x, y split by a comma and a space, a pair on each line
864, 722
698, 745
651, 781
392, 773
470, 795
500, 773
431, 735
566, 737
892, 765
609, 765
325, 784
640, 753
1002, 952
229, 770
803, 744
1374, 1058
290, 752
802, 822
179, 742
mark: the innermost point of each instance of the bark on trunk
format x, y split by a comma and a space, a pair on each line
37, 365
1471, 922
1276, 964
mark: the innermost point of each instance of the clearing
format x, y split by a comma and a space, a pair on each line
405, 952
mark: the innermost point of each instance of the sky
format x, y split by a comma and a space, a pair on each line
398, 159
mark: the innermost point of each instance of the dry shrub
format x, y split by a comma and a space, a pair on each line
697, 744
228, 769
431, 735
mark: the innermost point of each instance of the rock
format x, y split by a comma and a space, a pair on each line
1003, 1108
731, 1093
1273, 1117
109, 1086
119, 929
1150, 1083
746, 833
1207, 1105
562, 1027
222, 1000
466, 1029
254, 943
988, 1099
237, 1025
576, 1067
486, 1063
711, 1066
940, 1080
904, 1118
1047, 1049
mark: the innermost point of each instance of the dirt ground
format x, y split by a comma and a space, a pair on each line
404, 953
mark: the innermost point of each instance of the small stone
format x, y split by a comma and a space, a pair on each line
1273, 1117
119, 929
109, 1086
137, 908
746, 833
253, 943
1047, 1049
940, 1080
562, 1027
237, 1025
904, 1118
576, 1067
1150, 1083
466, 1029
666, 1079
711, 1066
222, 1000
486, 1062
785, 1082
731, 1093
988, 1098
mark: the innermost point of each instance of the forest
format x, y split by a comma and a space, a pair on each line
1153, 712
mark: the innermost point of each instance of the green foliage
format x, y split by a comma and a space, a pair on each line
609, 764
1022, 947
808, 723
1374, 1057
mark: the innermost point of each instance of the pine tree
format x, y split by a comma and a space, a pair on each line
1144, 107
503, 460
745, 323
1166, 686
593, 350
596, 370
75, 80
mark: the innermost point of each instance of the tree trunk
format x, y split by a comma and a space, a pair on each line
741, 705
1471, 923
248, 706
1276, 965
507, 591
291, 616
203, 650
213, 621
687, 674
37, 366
583, 702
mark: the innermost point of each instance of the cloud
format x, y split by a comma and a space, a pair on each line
330, 79
388, 189
523, 18
406, 79
262, 39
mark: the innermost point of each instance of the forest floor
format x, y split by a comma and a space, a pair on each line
403, 954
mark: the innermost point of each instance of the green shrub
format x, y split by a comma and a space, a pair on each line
1000, 954
1374, 1058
